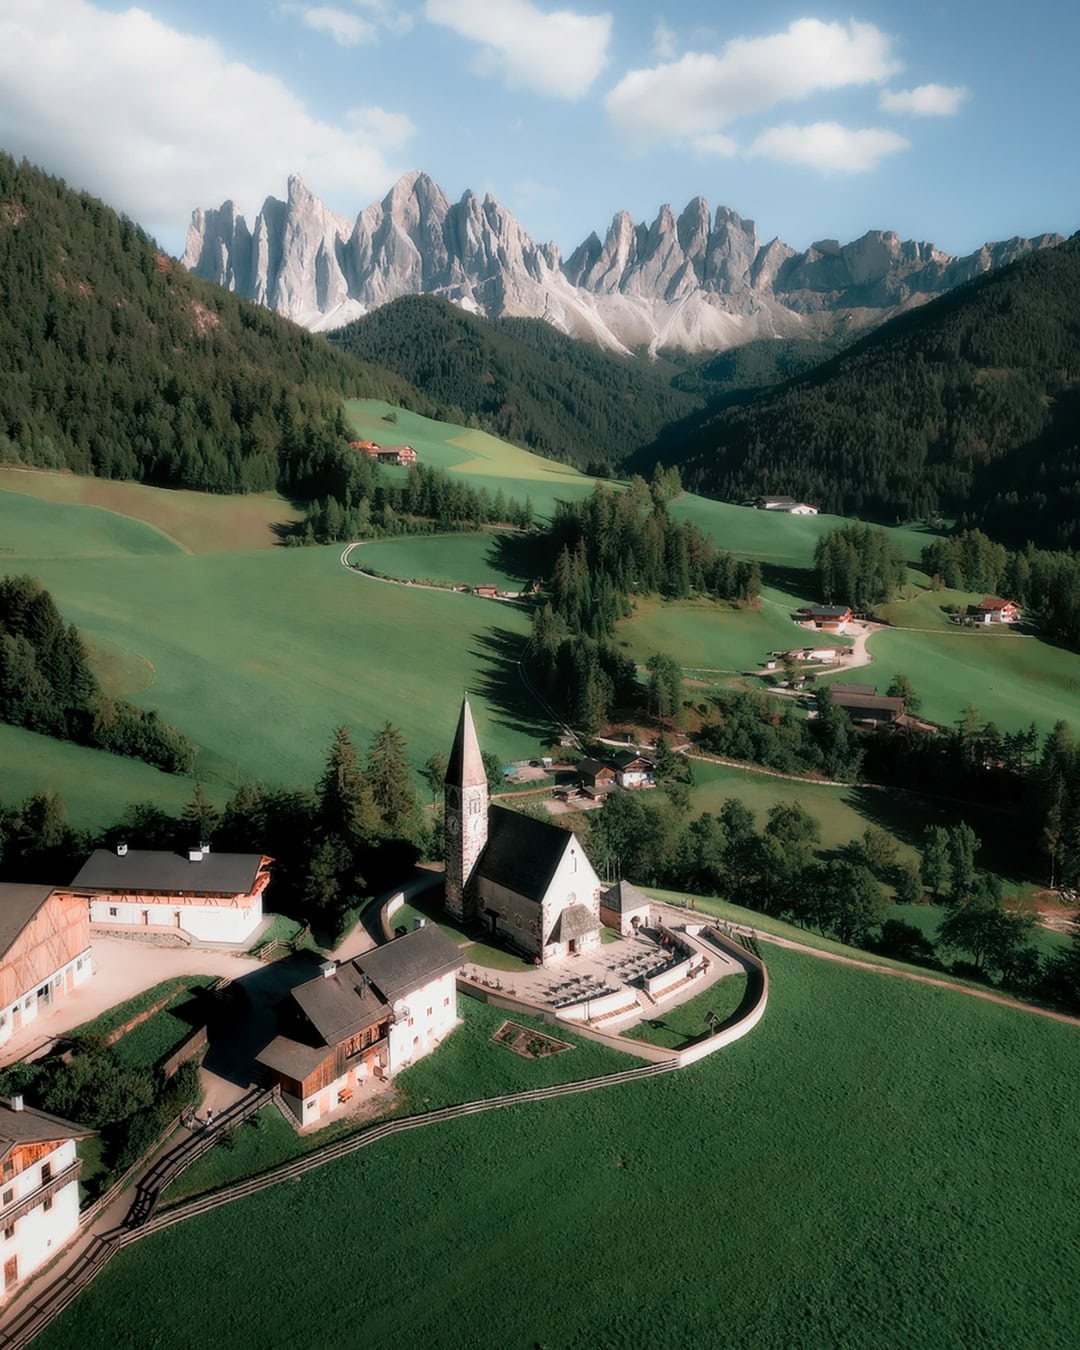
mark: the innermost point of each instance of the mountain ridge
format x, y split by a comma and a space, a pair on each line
698, 280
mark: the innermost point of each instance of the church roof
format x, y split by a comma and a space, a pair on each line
574, 922
624, 897
466, 766
522, 854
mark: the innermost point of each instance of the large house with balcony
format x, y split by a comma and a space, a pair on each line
44, 952
39, 1189
200, 894
362, 1019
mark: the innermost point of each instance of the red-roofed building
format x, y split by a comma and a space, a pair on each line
992, 609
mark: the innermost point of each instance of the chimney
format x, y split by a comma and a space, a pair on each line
16, 1101
194, 855
205, 846
121, 850
418, 922
328, 968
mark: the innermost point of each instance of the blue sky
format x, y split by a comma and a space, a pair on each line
952, 122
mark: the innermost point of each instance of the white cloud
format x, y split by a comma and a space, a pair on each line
927, 100
387, 16
828, 147
347, 30
663, 41
715, 143
389, 129
158, 122
560, 53
700, 93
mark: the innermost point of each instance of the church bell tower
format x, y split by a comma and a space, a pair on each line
466, 818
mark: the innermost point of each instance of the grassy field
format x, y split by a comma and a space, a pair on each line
705, 636
197, 522
458, 559
675, 1027
257, 656
145, 1046
32, 530
927, 919
924, 608
1012, 680
826, 1182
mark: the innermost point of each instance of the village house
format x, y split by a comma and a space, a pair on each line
992, 609
597, 778
788, 505
44, 952
528, 881
869, 709
486, 591
624, 908
363, 1019
386, 454
633, 770
39, 1188
211, 897
827, 618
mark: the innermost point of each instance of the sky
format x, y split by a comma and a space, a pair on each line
952, 122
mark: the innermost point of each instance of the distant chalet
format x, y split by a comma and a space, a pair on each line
992, 609
212, 897
386, 454
869, 709
790, 506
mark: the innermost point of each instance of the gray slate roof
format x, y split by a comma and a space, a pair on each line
292, 1058
30, 1126
340, 1005
591, 766
623, 897
18, 905
867, 706
840, 687
522, 854
154, 870
410, 961
829, 611
574, 922
627, 757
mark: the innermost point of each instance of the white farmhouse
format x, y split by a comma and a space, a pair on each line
39, 1188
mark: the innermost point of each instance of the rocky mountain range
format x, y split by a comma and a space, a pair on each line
695, 281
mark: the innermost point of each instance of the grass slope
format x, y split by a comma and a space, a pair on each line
456, 559
880, 1162
198, 522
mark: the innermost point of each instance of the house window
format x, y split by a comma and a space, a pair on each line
9, 1195
310, 1106
429, 1012
3, 1019
410, 1021
46, 1173
47, 1204
28, 1002
113, 911
9, 1232
446, 1003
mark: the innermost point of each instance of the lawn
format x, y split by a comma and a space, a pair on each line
456, 559
924, 608
179, 988
705, 636
675, 1027
879, 1163
33, 530
1011, 679
927, 919
95, 786
258, 656
197, 522
145, 1046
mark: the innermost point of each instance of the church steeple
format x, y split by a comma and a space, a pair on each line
466, 812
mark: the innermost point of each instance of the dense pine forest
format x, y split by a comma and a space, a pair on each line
117, 362
966, 407
561, 397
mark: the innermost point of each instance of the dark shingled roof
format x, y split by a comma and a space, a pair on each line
623, 897
409, 962
522, 854
30, 1126
829, 611
292, 1058
153, 870
627, 757
867, 690
340, 1005
18, 905
574, 922
591, 766
868, 707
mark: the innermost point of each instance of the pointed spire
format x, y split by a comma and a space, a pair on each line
466, 766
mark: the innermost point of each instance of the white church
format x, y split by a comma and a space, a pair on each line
528, 880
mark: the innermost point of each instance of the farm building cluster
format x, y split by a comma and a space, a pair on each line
386, 454
790, 506
628, 769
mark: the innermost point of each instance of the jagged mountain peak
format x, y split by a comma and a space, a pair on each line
697, 280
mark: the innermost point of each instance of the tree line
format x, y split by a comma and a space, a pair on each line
47, 686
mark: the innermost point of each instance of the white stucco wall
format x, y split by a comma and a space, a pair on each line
206, 923
422, 1019
81, 968
41, 1233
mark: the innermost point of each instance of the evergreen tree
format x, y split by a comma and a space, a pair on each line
389, 779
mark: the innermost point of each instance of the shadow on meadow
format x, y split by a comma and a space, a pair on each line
502, 687
519, 555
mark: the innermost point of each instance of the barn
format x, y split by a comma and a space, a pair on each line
44, 952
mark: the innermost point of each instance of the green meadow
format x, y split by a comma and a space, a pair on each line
866, 1168
454, 559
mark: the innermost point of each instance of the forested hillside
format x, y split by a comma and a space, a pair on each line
968, 407
118, 362
559, 396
